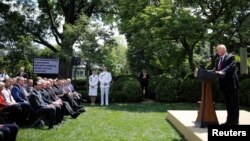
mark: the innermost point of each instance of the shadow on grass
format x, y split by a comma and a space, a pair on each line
158, 107
149, 107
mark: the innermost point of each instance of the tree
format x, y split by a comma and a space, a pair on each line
116, 59
226, 20
19, 54
182, 22
62, 21
92, 52
160, 25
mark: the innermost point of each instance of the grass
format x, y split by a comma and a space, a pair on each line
116, 122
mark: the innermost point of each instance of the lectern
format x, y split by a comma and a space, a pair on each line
206, 114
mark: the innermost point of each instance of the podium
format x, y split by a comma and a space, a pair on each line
206, 114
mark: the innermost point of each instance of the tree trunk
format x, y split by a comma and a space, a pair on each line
243, 61
190, 60
87, 70
65, 70
189, 53
213, 57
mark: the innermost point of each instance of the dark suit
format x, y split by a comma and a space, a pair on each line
66, 108
47, 99
229, 85
66, 97
144, 83
9, 132
40, 109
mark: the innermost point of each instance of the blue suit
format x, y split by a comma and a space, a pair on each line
18, 94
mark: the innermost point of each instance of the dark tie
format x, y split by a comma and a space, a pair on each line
220, 64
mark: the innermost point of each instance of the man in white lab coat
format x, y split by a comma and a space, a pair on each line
105, 78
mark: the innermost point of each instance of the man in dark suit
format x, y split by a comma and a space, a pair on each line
40, 109
225, 65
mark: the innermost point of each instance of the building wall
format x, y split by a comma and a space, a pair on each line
79, 72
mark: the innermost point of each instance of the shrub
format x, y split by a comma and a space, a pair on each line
84, 94
132, 90
81, 82
118, 83
245, 92
125, 89
191, 90
81, 88
168, 89
153, 83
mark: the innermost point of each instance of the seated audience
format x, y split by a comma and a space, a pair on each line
65, 96
71, 90
9, 132
18, 95
66, 108
47, 99
12, 111
40, 109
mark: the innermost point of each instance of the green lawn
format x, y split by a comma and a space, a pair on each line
116, 122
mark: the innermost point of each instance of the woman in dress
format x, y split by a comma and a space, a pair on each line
93, 85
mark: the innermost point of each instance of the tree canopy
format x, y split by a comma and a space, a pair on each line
162, 35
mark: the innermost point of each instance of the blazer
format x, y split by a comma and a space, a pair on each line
18, 94
143, 81
230, 81
46, 97
35, 101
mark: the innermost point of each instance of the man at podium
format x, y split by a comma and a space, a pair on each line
229, 84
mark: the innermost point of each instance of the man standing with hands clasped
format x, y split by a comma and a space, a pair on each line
225, 65
105, 78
